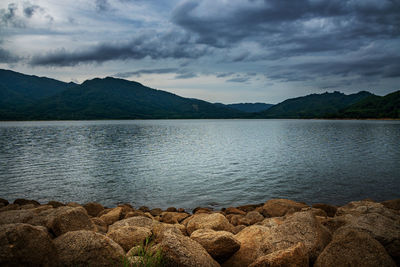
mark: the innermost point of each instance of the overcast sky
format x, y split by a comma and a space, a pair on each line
217, 50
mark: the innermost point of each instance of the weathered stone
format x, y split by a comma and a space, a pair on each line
10, 207
135, 213
281, 207
358, 208
138, 221
295, 256
27, 207
87, 248
201, 210
112, 216
101, 226
156, 212
103, 212
393, 204
219, 244
252, 246
354, 248
232, 210
329, 209
93, 208
55, 204
179, 250
254, 217
214, 221
248, 208
237, 229
235, 219
66, 219
173, 217
159, 229
16, 216
144, 209
22, 201
182, 210
129, 236
26, 245
172, 209
73, 204
4, 201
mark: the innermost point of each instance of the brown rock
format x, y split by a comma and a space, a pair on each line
219, 244
26, 245
93, 208
281, 207
329, 209
112, 216
232, 210
172, 209
179, 250
16, 216
358, 208
55, 204
87, 248
10, 207
103, 212
173, 217
137, 221
73, 204
159, 229
4, 201
144, 209
237, 229
393, 204
295, 256
21, 202
129, 236
214, 221
252, 246
317, 212
66, 219
353, 248
101, 226
156, 212
182, 210
201, 210
134, 214
254, 217
248, 208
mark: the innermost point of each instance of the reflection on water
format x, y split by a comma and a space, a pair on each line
189, 163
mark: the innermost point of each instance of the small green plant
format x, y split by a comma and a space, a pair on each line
144, 257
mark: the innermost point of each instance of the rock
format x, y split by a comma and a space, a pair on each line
214, 221
67, 219
101, 226
329, 209
10, 207
93, 208
144, 209
159, 229
27, 207
201, 210
295, 256
281, 207
126, 208
26, 245
103, 212
173, 217
55, 204
232, 210
219, 244
334, 223
254, 217
354, 248
393, 204
237, 229
21, 202
172, 209
4, 201
252, 246
358, 208
135, 213
87, 248
112, 216
179, 250
73, 204
138, 221
129, 236
248, 208
182, 210
16, 216
156, 212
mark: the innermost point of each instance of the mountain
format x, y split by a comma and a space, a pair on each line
313, 106
107, 98
387, 106
250, 107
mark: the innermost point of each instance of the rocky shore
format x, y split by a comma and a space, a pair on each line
279, 232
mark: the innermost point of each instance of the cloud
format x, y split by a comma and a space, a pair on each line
187, 75
9, 17
30, 9
239, 80
171, 45
139, 73
102, 5
7, 56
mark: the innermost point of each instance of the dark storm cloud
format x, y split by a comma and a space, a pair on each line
171, 45
186, 75
102, 5
9, 17
30, 9
302, 26
139, 73
7, 56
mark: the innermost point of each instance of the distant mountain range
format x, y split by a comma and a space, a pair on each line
25, 97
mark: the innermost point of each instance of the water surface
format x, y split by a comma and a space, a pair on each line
189, 163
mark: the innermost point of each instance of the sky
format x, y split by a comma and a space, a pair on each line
225, 51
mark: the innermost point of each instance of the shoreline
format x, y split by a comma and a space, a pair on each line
279, 232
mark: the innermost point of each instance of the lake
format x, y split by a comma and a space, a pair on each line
190, 163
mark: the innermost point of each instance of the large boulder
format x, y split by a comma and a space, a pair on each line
4, 201
138, 221
26, 245
295, 256
16, 216
22, 201
101, 226
221, 245
329, 209
354, 248
129, 236
214, 221
87, 248
393, 204
180, 250
173, 217
281, 207
93, 208
254, 217
159, 229
66, 219
357, 208
113, 215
